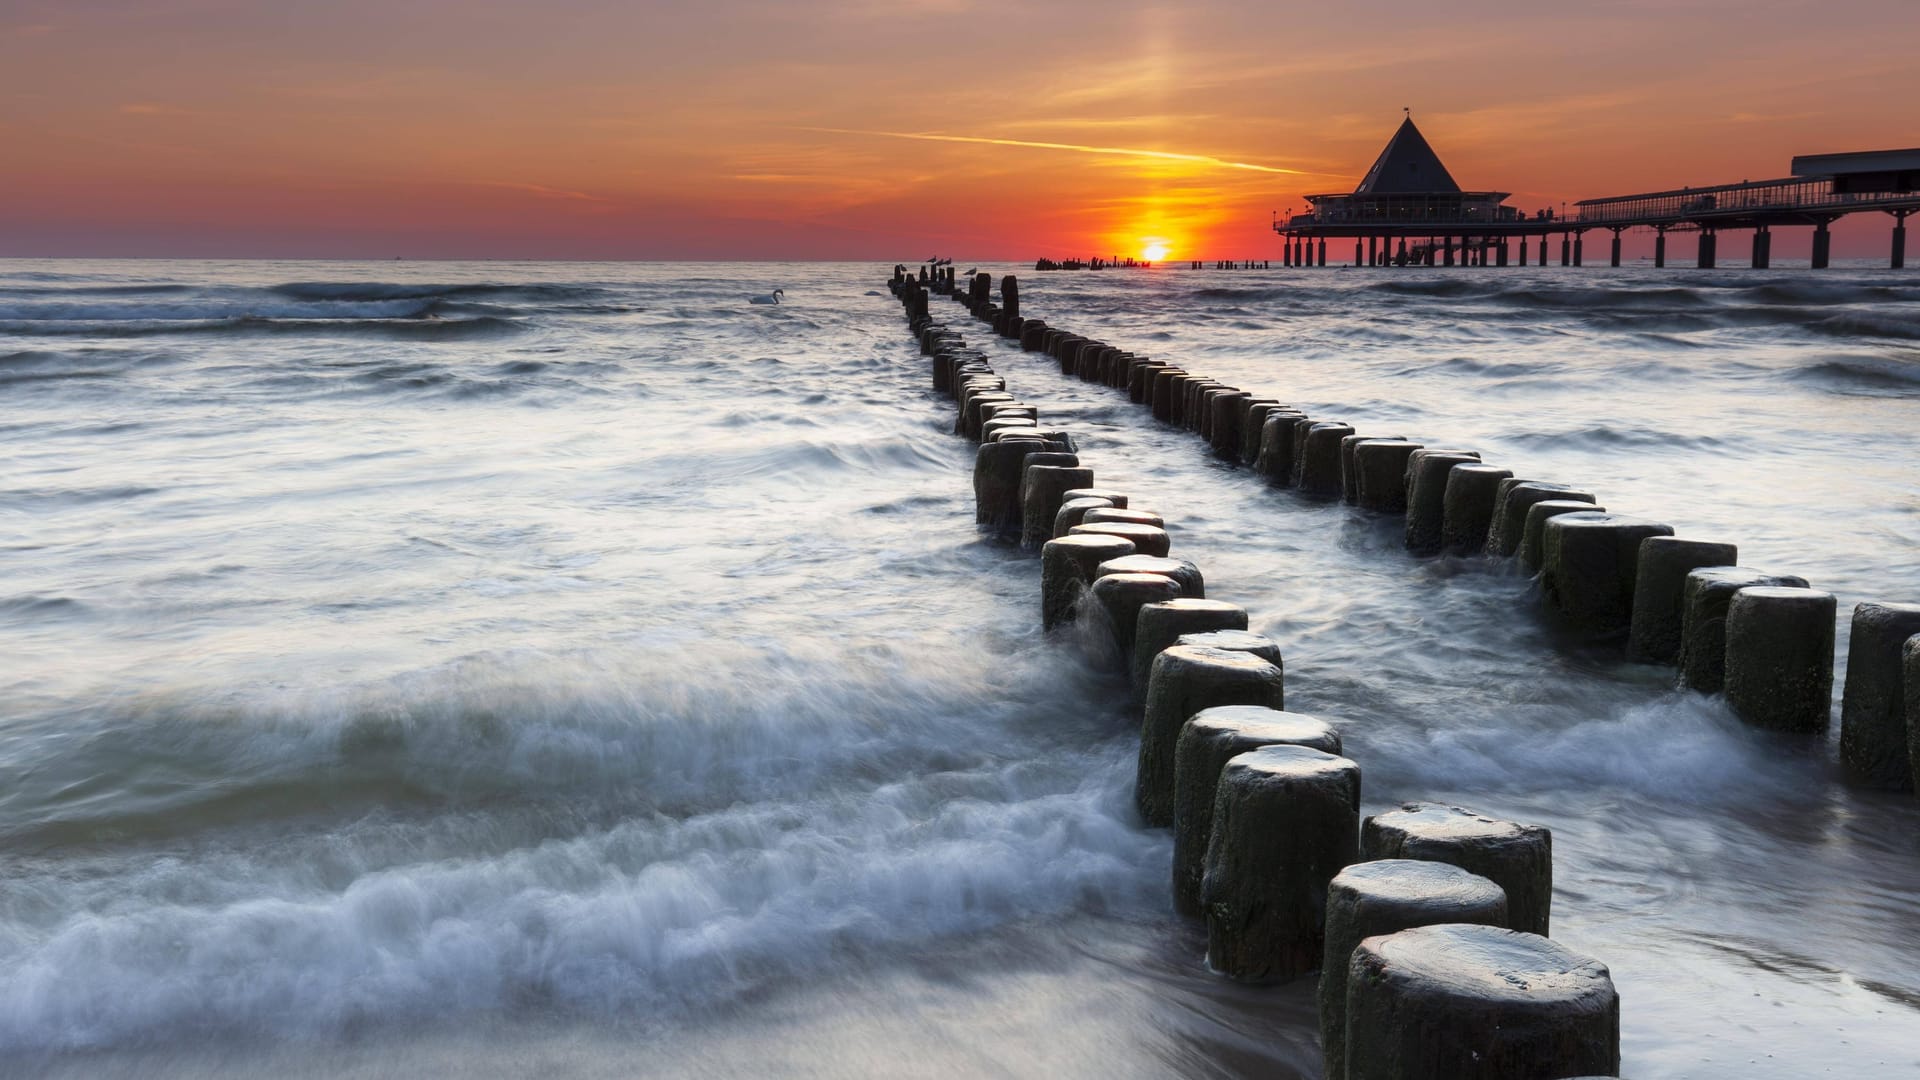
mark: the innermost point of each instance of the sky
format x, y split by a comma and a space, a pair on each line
887, 129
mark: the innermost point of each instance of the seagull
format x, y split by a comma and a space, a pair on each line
770, 298
970, 273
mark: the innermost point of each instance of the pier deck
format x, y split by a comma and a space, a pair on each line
1429, 225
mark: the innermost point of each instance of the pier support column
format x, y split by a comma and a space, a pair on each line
1543, 249
1707, 244
1357, 250
1822, 246
1373, 251
1579, 240
1616, 248
1899, 261
1500, 252
1401, 258
1447, 251
1660, 247
1760, 238
1566, 249
1323, 252
1286, 252
1523, 251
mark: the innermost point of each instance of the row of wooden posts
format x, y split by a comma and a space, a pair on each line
1428, 924
1764, 639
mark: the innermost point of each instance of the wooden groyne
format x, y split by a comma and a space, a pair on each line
1451, 971
1618, 581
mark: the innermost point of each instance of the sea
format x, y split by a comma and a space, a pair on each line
575, 669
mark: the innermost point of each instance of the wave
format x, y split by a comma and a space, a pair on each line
9, 378
658, 918
402, 328
205, 308
1606, 299
297, 300
1605, 436
1868, 324
1820, 292
1685, 748
527, 828
82, 495
158, 289
40, 606
1858, 373
351, 291
1504, 369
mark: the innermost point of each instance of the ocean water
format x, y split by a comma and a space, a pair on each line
504, 668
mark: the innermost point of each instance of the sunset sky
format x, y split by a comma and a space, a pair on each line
889, 129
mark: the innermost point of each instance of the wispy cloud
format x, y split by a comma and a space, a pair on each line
1117, 151
1055, 123
542, 191
151, 108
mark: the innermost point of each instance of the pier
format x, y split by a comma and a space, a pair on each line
1409, 211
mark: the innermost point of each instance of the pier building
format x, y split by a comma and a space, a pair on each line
1408, 210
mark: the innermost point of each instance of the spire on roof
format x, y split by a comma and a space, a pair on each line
1407, 166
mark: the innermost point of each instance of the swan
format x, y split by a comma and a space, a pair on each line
770, 298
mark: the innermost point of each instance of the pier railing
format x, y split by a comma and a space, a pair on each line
1811, 196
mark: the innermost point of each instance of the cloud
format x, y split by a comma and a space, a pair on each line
1119, 151
873, 9
541, 190
151, 108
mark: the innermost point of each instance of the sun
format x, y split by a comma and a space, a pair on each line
1155, 251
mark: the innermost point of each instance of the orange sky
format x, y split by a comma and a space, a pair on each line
609, 129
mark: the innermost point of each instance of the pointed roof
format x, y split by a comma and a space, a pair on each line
1407, 166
